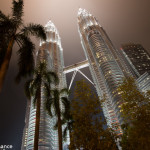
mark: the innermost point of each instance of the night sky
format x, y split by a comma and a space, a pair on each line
124, 21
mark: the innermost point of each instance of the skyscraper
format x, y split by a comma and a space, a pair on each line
136, 58
25, 131
51, 52
104, 64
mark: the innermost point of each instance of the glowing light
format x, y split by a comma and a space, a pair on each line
84, 12
50, 28
91, 19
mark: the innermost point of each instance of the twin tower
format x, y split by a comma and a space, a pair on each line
107, 73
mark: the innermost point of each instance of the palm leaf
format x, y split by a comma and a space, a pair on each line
41, 69
53, 77
27, 87
35, 97
67, 119
35, 30
65, 133
3, 16
47, 90
56, 125
17, 11
48, 105
64, 91
56, 101
63, 121
5, 32
34, 85
26, 59
47, 78
65, 102
6, 28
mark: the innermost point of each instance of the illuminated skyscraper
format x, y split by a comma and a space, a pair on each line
103, 63
136, 58
25, 131
52, 52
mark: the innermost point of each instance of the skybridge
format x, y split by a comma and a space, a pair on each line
76, 68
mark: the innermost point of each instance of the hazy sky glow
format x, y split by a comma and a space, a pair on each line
123, 20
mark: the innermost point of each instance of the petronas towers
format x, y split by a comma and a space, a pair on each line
105, 65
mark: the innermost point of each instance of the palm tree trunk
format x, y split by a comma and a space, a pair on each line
5, 64
70, 135
59, 131
37, 124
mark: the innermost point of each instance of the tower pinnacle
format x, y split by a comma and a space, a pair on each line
84, 12
51, 27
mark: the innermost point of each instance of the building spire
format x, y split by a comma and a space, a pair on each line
84, 12
51, 27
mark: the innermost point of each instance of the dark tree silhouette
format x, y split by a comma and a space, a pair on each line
12, 30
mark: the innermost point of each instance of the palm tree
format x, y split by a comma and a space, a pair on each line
13, 30
68, 121
58, 105
44, 78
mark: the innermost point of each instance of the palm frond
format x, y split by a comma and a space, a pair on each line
48, 105
27, 88
56, 101
35, 30
26, 59
56, 125
65, 133
17, 11
67, 117
47, 78
56, 105
55, 109
33, 87
35, 71
6, 28
66, 104
47, 90
54, 91
64, 91
41, 68
51, 77
54, 77
68, 121
35, 97
5, 35
3, 16
64, 120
